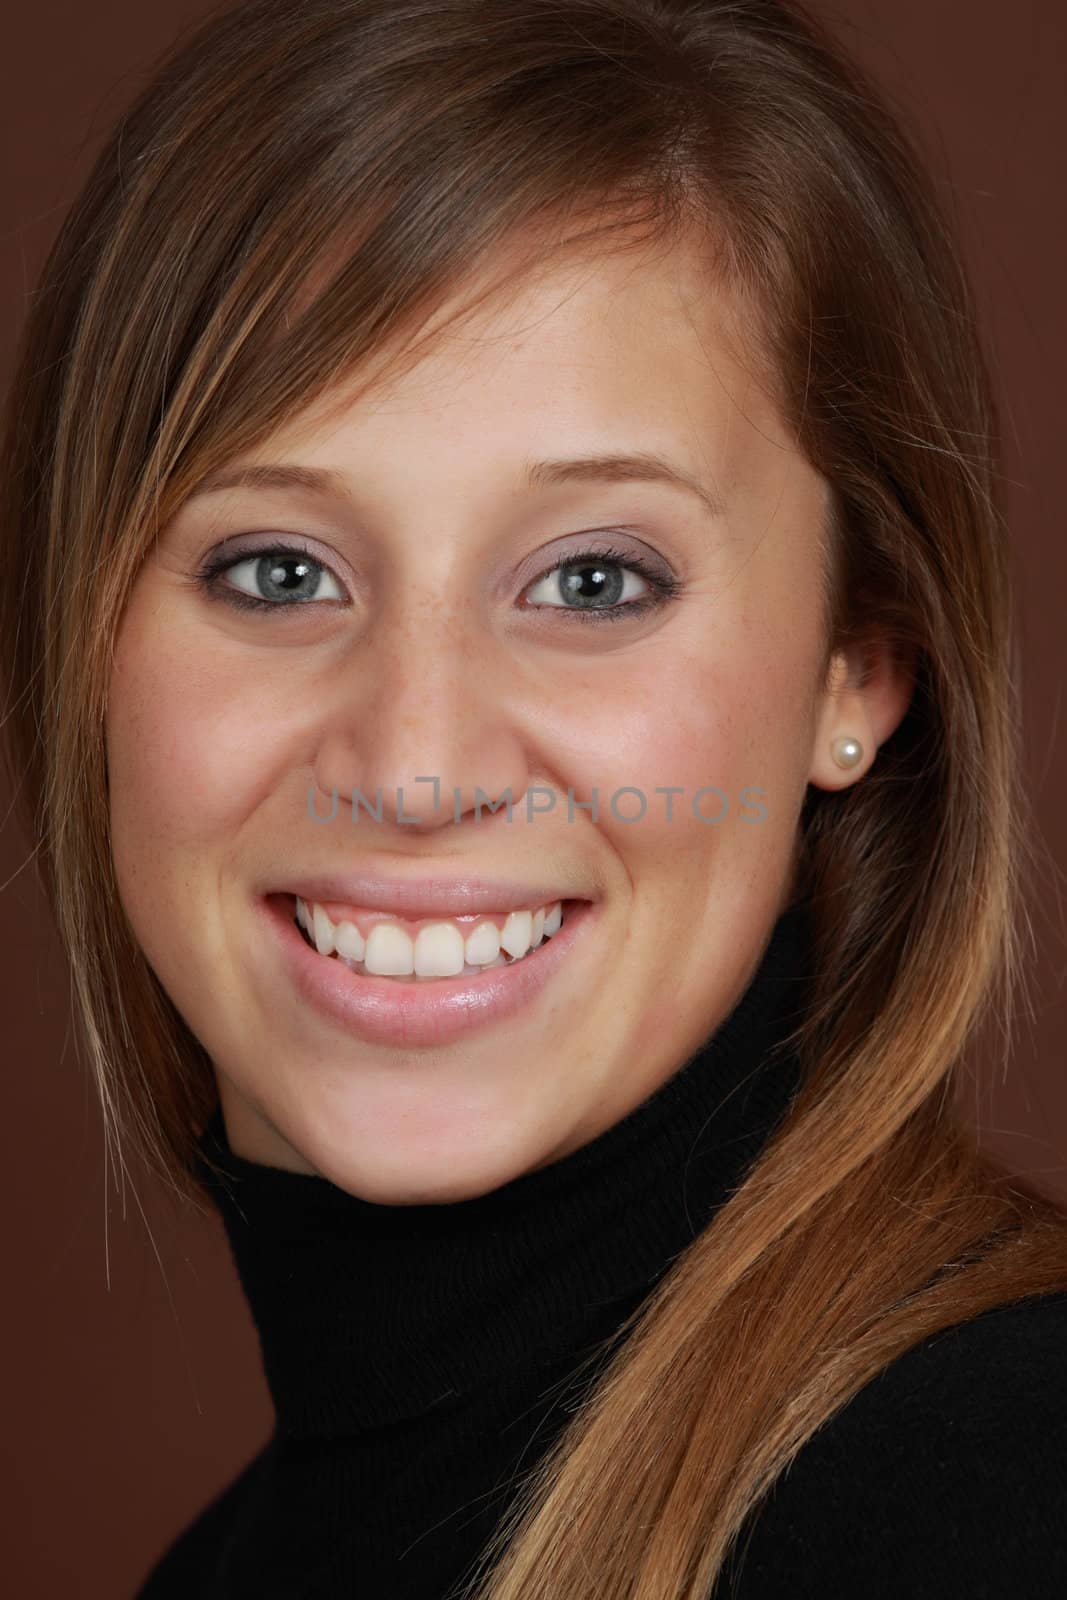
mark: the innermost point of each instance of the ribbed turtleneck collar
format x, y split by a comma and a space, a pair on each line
370, 1314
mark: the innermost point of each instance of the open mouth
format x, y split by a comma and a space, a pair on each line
404, 1010
445, 949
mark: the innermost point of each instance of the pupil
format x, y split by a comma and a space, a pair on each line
283, 575
576, 584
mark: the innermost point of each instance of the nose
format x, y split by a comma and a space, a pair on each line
419, 728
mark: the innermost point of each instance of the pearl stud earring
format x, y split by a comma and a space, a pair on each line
846, 751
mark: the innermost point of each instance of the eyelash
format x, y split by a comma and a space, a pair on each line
664, 586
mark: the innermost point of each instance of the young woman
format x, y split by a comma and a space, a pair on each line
509, 654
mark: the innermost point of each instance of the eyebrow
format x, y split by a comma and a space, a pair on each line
641, 466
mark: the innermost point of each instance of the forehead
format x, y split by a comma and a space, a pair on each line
645, 342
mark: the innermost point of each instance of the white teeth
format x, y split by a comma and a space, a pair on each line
349, 941
515, 934
323, 932
389, 953
439, 950
483, 946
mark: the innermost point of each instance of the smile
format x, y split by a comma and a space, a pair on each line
375, 944
408, 1009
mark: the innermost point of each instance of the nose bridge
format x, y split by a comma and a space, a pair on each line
425, 695
419, 700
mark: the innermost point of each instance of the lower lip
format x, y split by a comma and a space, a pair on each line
424, 1012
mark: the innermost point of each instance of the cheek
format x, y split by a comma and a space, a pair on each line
187, 754
733, 722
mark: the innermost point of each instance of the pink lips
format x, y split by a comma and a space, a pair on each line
418, 1013
425, 897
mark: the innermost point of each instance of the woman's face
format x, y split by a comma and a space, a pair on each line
426, 638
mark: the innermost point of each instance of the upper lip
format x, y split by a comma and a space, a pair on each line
427, 896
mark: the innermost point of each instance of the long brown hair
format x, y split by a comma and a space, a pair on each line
298, 189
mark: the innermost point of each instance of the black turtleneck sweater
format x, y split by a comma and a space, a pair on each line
422, 1359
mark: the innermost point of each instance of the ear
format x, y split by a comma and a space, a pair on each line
869, 688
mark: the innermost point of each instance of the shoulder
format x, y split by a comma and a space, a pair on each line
1003, 1372
945, 1474
185, 1567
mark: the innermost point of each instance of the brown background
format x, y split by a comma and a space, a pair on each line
131, 1382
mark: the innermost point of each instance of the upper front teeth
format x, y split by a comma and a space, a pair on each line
438, 950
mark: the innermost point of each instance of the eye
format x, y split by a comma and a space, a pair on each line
268, 578
593, 583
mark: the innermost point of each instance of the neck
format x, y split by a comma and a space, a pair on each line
371, 1314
